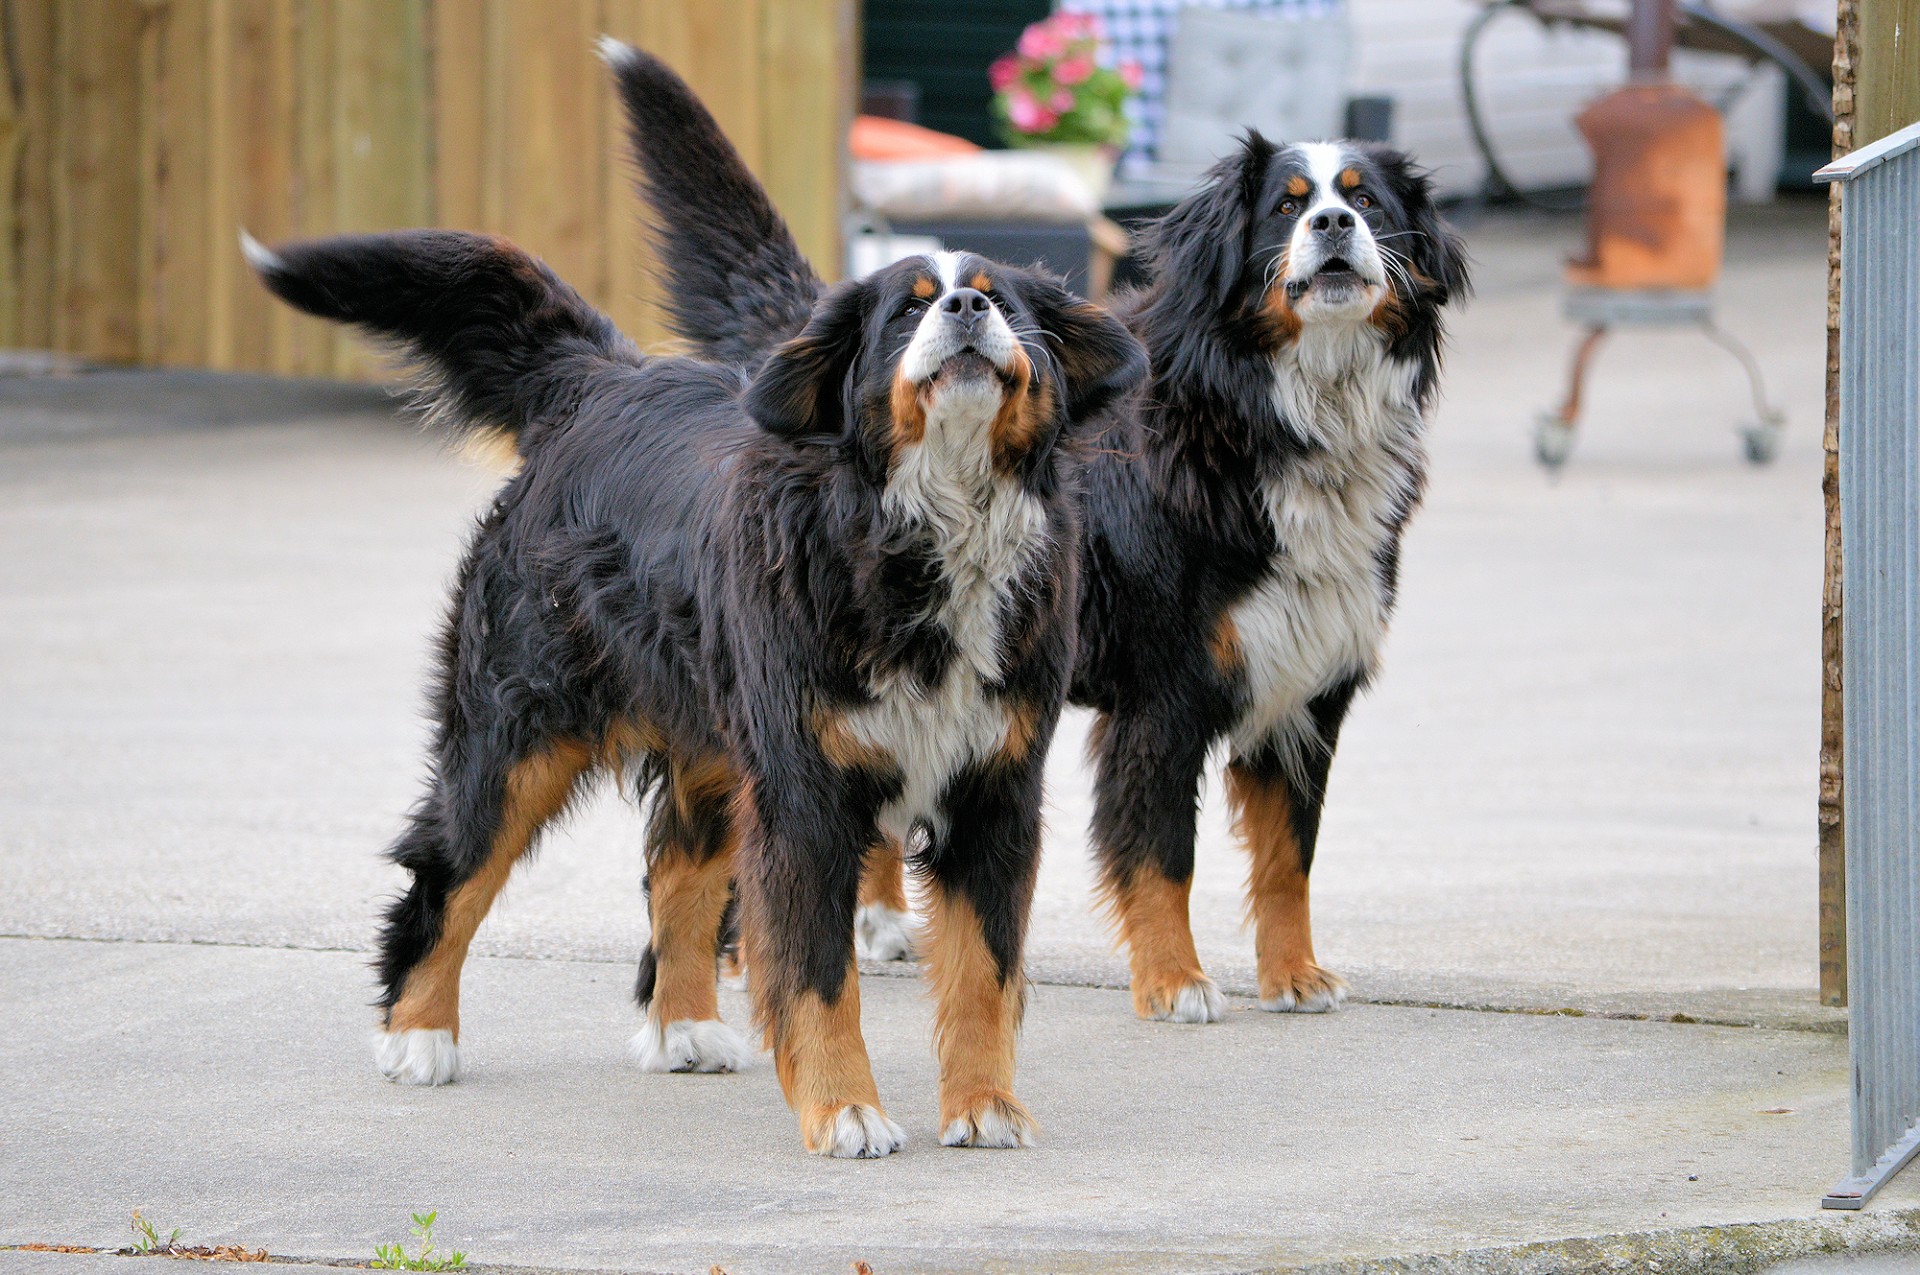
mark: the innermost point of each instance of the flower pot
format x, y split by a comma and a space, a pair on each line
1092, 163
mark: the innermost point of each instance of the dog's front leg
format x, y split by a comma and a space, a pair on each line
980, 890
799, 882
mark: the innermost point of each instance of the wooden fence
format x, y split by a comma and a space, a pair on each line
138, 136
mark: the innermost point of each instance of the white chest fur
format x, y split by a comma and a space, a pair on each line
1318, 615
986, 531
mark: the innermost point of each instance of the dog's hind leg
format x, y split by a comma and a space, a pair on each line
1146, 786
980, 890
690, 860
1277, 795
487, 805
883, 927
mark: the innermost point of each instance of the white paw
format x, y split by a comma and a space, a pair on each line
734, 980
991, 1124
883, 934
691, 1045
1198, 1002
417, 1056
1312, 999
860, 1132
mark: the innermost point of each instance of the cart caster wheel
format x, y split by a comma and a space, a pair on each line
1552, 440
1762, 442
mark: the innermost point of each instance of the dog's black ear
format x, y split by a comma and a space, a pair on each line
1099, 359
1435, 250
805, 386
1441, 254
1206, 237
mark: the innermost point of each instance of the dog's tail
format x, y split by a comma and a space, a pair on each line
737, 284
499, 340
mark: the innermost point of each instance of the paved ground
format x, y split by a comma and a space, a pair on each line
1586, 782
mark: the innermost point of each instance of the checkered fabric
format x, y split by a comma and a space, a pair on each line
1139, 30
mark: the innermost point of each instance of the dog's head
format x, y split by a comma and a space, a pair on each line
1313, 233
981, 359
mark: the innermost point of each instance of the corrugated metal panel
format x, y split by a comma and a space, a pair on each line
1880, 532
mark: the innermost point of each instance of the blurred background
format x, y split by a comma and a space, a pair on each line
1590, 774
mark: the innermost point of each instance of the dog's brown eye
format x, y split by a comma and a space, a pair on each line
1288, 207
1363, 201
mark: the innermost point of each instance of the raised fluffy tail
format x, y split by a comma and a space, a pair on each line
737, 283
500, 340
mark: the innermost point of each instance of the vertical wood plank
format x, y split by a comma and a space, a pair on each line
628, 287
461, 80
715, 44
1886, 86
177, 229
318, 348
382, 146
808, 74
221, 179
26, 292
549, 182
96, 180
255, 112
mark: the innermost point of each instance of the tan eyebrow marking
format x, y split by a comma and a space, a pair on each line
924, 287
1298, 186
980, 282
1349, 178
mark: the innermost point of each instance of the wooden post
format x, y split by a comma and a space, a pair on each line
1832, 830
1876, 91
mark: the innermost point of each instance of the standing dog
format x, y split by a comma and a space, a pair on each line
1243, 535
814, 606
1243, 515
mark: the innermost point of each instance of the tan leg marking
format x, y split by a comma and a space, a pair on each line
883, 883
537, 789
1290, 978
822, 1061
1151, 915
976, 1021
688, 898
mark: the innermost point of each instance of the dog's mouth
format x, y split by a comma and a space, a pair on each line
1335, 275
966, 363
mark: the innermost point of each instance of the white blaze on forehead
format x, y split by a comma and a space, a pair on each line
946, 266
1324, 162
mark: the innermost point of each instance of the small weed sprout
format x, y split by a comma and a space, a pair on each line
394, 1257
146, 1239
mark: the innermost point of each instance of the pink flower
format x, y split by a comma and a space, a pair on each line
1003, 72
1131, 73
1061, 101
1041, 43
1074, 70
1084, 26
1027, 115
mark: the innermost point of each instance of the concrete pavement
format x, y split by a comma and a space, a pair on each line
1586, 783
240, 1104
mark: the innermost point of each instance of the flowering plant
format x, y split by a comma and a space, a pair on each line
1052, 88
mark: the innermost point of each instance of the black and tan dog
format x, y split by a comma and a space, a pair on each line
815, 603
1243, 515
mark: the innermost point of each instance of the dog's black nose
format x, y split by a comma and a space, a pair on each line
969, 305
1332, 219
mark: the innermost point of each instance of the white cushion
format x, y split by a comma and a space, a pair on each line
1014, 185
